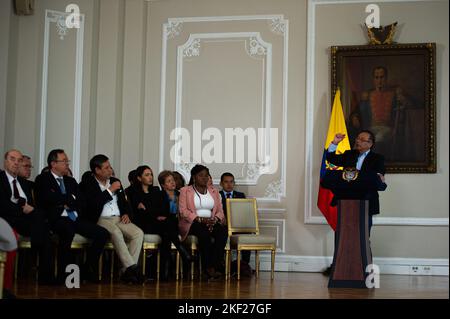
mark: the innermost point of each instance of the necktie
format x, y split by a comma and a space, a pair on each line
228, 195
20, 200
62, 187
15, 189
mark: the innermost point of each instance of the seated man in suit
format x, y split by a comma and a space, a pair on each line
25, 168
108, 207
227, 183
59, 196
18, 209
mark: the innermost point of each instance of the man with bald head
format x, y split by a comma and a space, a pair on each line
17, 208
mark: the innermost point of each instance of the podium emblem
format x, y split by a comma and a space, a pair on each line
350, 174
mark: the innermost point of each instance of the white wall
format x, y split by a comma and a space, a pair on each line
124, 73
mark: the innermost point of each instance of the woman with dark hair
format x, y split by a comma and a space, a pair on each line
152, 215
201, 214
179, 180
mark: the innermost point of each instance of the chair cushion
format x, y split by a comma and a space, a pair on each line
23, 238
78, 239
191, 239
250, 239
152, 239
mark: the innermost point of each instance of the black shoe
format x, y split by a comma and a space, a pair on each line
185, 255
7, 294
131, 275
327, 272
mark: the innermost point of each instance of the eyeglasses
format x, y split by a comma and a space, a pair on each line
63, 161
363, 141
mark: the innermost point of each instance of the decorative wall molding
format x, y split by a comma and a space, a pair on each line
310, 88
388, 265
52, 16
391, 221
191, 48
276, 24
173, 29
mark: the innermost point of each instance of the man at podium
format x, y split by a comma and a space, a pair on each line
355, 192
363, 159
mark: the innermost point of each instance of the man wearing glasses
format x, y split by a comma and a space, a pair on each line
364, 159
58, 194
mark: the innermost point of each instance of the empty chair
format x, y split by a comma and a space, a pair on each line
243, 232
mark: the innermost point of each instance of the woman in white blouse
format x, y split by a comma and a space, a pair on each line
201, 214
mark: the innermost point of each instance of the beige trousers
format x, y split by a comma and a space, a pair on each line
126, 238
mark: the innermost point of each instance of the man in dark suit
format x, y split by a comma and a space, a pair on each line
227, 183
108, 207
18, 209
363, 159
59, 196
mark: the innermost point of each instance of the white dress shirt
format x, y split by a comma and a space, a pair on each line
21, 192
332, 148
111, 208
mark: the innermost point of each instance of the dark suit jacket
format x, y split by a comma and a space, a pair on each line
50, 199
224, 200
8, 210
96, 199
373, 162
153, 202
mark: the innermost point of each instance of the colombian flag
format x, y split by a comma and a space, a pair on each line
337, 125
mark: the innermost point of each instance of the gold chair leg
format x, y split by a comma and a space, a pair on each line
112, 265
158, 266
227, 265
100, 266
193, 264
273, 263
2, 273
144, 258
238, 264
177, 266
257, 263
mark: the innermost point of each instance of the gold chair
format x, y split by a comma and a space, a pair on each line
243, 233
108, 246
2, 271
151, 242
23, 243
191, 242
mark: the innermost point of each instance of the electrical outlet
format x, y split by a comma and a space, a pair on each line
414, 270
427, 270
421, 270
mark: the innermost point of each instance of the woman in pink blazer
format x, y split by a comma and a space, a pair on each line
201, 214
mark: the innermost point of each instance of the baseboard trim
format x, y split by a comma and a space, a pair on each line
388, 265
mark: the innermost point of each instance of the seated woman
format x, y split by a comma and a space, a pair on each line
201, 214
179, 180
152, 215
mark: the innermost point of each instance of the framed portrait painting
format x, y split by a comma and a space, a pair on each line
390, 90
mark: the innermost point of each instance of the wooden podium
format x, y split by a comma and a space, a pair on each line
352, 251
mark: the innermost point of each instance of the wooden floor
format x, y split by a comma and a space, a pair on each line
285, 285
